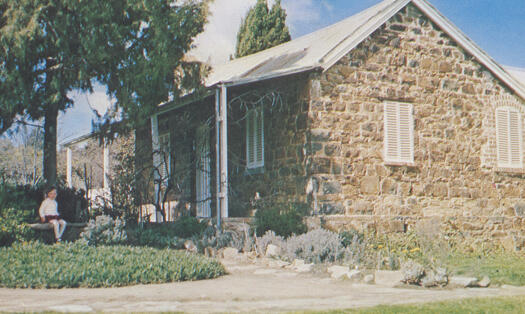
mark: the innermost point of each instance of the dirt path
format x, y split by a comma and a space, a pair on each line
248, 288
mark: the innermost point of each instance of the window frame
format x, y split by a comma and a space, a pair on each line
388, 113
253, 141
508, 164
165, 170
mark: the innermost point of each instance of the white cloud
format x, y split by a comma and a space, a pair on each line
302, 11
98, 100
217, 42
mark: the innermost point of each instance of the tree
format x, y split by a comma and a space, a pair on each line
134, 47
262, 29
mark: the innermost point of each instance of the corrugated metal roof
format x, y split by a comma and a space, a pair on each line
324, 47
306, 52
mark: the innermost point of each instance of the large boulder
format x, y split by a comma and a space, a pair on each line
412, 272
272, 250
463, 282
338, 272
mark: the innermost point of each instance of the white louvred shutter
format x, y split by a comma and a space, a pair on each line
399, 132
515, 139
406, 130
164, 156
249, 138
259, 138
391, 135
255, 138
502, 129
509, 138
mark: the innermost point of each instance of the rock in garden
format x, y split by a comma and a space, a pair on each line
230, 253
484, 283
190, 246
338, 272
441, 277
278, 263
272, 250
463, 282
300, 266
412, 272
369, 279
355, 275
428, 281
388, 278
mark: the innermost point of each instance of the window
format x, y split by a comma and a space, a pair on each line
399, 133
255, 138
509, 138
165, 156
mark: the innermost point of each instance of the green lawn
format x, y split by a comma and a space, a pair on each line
475, 305
35, 265
501, 267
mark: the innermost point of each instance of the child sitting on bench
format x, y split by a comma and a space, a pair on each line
49, 213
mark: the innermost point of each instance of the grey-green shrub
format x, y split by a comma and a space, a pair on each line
268, 238
35, 265
316, 246
104, 230
211, 237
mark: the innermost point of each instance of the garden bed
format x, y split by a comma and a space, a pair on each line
34, 265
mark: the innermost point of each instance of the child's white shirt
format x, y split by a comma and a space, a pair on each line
48, 207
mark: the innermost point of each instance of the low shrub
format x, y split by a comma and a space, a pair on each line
164, 235
153, 238
104, 230
282, 222
186, 227
211, 237
13, 227
268, 238
35, 265
316, 246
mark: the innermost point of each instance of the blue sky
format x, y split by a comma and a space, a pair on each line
498, 27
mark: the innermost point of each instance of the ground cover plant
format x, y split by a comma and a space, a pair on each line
34, 265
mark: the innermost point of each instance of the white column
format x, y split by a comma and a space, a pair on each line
224, 151
155, 148
217, 154
69, 168
106, 166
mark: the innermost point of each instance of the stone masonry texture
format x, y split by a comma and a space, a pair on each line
454, 176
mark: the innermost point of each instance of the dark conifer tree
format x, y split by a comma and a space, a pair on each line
262, 28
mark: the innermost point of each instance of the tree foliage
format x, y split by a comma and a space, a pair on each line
134, 47
262, 29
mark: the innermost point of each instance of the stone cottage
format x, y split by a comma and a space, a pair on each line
383, 120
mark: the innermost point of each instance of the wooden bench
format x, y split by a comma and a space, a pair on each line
49, 226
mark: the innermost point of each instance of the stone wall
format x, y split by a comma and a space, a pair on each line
285, 126
454, 175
